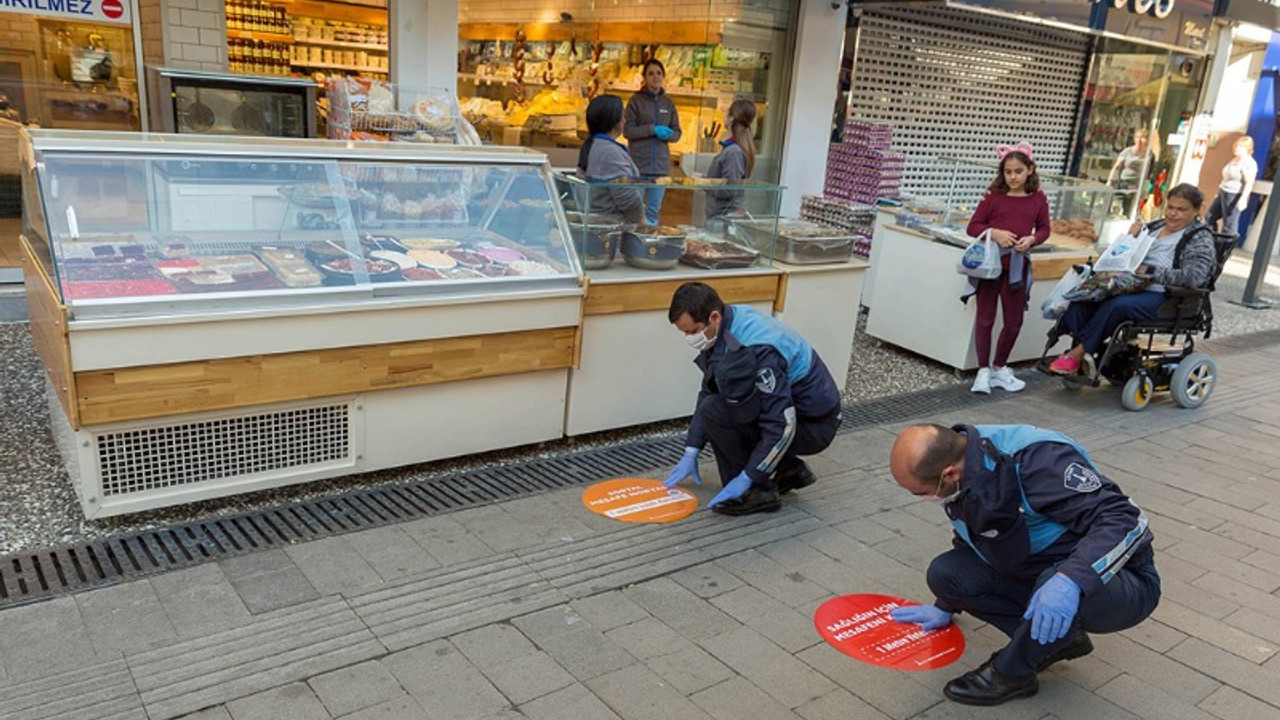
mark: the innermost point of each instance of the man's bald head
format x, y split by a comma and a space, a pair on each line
924, 453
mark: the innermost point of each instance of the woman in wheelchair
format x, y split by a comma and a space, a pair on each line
1182, 255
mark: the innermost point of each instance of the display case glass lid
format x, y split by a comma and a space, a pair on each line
143, 225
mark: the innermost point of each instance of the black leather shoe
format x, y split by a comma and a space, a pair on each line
985, 686
755, 500
1079, 646
794, 479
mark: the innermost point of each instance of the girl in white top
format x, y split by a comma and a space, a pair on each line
1233, 192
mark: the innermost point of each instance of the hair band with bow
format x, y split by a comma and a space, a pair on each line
1023, 147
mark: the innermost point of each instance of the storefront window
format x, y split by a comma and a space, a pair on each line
526, 76
72, 75
1138, 105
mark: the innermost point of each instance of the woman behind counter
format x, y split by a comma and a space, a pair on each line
735, 161
652, 123
604, 159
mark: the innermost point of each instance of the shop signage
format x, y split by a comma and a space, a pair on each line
860, 626
639, 500
1177, 23
102, 11
1264, 13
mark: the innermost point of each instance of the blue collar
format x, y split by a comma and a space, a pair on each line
727, 142
602, 136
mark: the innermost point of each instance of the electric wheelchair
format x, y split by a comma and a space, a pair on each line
1150, 356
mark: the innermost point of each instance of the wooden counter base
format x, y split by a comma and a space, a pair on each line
105, 396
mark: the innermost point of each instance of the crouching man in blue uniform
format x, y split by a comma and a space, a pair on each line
1046, 548
766, 399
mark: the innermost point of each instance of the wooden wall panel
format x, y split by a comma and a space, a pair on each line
106, 396
1044, 268
49, 330
606, 299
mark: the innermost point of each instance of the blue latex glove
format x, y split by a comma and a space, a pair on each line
663, 132
1052, 608
736, 488
687, 466
929, 617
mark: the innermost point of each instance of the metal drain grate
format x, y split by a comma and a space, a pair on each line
36, 575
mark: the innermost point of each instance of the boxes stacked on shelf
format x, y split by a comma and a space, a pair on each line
862, 168
845, 216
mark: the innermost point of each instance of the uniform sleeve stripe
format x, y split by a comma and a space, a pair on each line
1108, 565
770, 461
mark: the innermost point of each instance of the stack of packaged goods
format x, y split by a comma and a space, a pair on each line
861, 169
847, 217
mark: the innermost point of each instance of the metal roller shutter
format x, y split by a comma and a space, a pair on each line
957, 83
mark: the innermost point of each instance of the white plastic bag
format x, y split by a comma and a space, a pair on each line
1056, 304
1125, 254
981, 259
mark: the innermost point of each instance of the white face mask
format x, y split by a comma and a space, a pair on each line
699, 341
943, 500
935, 498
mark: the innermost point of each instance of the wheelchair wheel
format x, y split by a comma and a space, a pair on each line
1136, 393
1193, 380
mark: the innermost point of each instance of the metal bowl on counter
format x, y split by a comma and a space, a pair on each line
652, 247
595, 239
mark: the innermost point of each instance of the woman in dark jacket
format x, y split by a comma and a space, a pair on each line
1181, 256
651, 123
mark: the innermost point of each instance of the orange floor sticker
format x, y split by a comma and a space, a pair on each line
859, 626
639, 500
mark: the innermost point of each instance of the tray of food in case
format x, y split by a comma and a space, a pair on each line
652, 247
345, 270
290, 266
218, 273
596, 239
712, 254
799, 242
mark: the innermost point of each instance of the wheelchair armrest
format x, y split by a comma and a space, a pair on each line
1174, 291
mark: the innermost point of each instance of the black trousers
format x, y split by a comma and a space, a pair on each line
735, 434
960, 578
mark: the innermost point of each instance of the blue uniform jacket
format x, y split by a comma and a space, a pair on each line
1032, 499
782, 372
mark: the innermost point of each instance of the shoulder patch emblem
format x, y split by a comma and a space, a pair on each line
1081, 479
766, 380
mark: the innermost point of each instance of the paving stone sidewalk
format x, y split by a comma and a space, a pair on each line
535, 608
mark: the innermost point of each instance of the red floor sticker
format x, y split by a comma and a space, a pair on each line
639, 500
859, 626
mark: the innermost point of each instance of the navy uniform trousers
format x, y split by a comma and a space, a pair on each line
734, 437
963, 580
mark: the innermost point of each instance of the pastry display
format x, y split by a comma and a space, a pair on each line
402, 260
218, 273
502, 254
717, 254
1080, 232
290, 266
530, 267
365, 108
433, 259
342, 271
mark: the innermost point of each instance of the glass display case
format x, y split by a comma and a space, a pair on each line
129, 225
717, 225
206, 103
1078, 208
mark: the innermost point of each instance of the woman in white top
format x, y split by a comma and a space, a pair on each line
1233, 192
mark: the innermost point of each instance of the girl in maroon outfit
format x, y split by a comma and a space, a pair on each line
1017, 213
